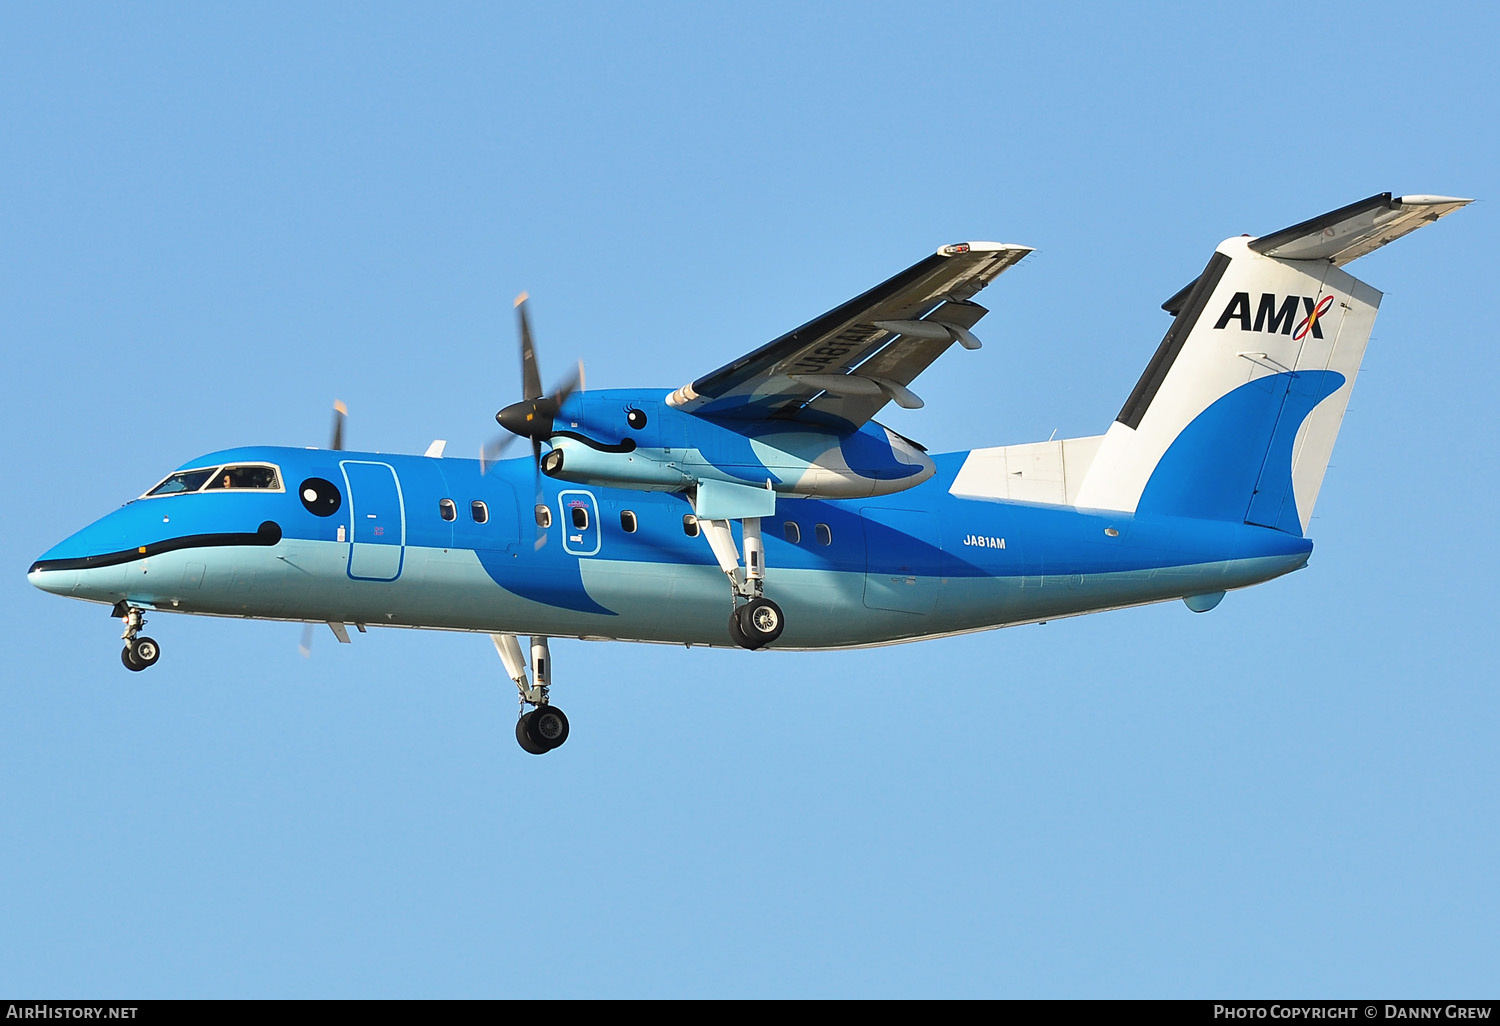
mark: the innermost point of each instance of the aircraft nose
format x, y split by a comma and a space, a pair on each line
57, 582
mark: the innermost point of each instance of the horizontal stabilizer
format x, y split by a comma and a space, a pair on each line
1347, 233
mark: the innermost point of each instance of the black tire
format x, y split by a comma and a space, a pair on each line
761, 621
128, 658
736, 632
146, 651
548, 726
523, 736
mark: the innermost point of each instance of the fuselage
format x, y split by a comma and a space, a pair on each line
393, 540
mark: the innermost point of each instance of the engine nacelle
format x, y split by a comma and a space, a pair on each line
644, 470
798, 464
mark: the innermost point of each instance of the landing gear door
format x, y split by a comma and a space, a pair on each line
580, 522
377, 521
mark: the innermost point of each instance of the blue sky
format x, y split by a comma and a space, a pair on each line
217, 219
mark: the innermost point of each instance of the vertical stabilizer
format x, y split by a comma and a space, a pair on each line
1236, 415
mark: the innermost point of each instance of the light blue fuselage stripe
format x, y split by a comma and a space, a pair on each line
990, 562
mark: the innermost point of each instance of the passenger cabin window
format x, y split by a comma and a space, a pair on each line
792, 532
479, 511
182, 482
627, 521
690, 526
259, 477
447, 509
543, 516
824, 535
580, 515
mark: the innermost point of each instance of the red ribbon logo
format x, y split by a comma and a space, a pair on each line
1311, 319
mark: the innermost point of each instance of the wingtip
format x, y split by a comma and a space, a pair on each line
1428, 201
957, 248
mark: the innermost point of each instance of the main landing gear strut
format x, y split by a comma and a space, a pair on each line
754, 620
544, 727
139, 652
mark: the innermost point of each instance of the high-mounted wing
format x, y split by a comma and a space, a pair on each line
839, 369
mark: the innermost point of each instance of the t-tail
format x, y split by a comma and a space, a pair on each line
1236, 415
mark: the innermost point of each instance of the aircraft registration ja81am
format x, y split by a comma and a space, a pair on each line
762, 506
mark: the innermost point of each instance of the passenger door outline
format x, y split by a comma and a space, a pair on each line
377, 520
584, 541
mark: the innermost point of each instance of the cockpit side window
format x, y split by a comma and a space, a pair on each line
258, 476
182, 482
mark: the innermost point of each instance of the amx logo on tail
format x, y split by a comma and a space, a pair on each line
1277, 314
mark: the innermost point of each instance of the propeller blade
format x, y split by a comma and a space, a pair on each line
541, 534
532, 417
572, 384
305, 647
491, 451
340, 414
531, 378
536, 471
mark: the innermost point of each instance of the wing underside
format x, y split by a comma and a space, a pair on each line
839, 369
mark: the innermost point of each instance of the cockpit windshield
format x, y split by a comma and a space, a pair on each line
258, 476
182, 481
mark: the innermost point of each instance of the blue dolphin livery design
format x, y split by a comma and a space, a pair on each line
762, 506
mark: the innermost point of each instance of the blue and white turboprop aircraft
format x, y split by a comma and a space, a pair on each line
765, 494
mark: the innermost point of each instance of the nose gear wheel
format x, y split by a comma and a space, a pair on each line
139, 651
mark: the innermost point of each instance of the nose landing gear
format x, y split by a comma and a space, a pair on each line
139, 652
